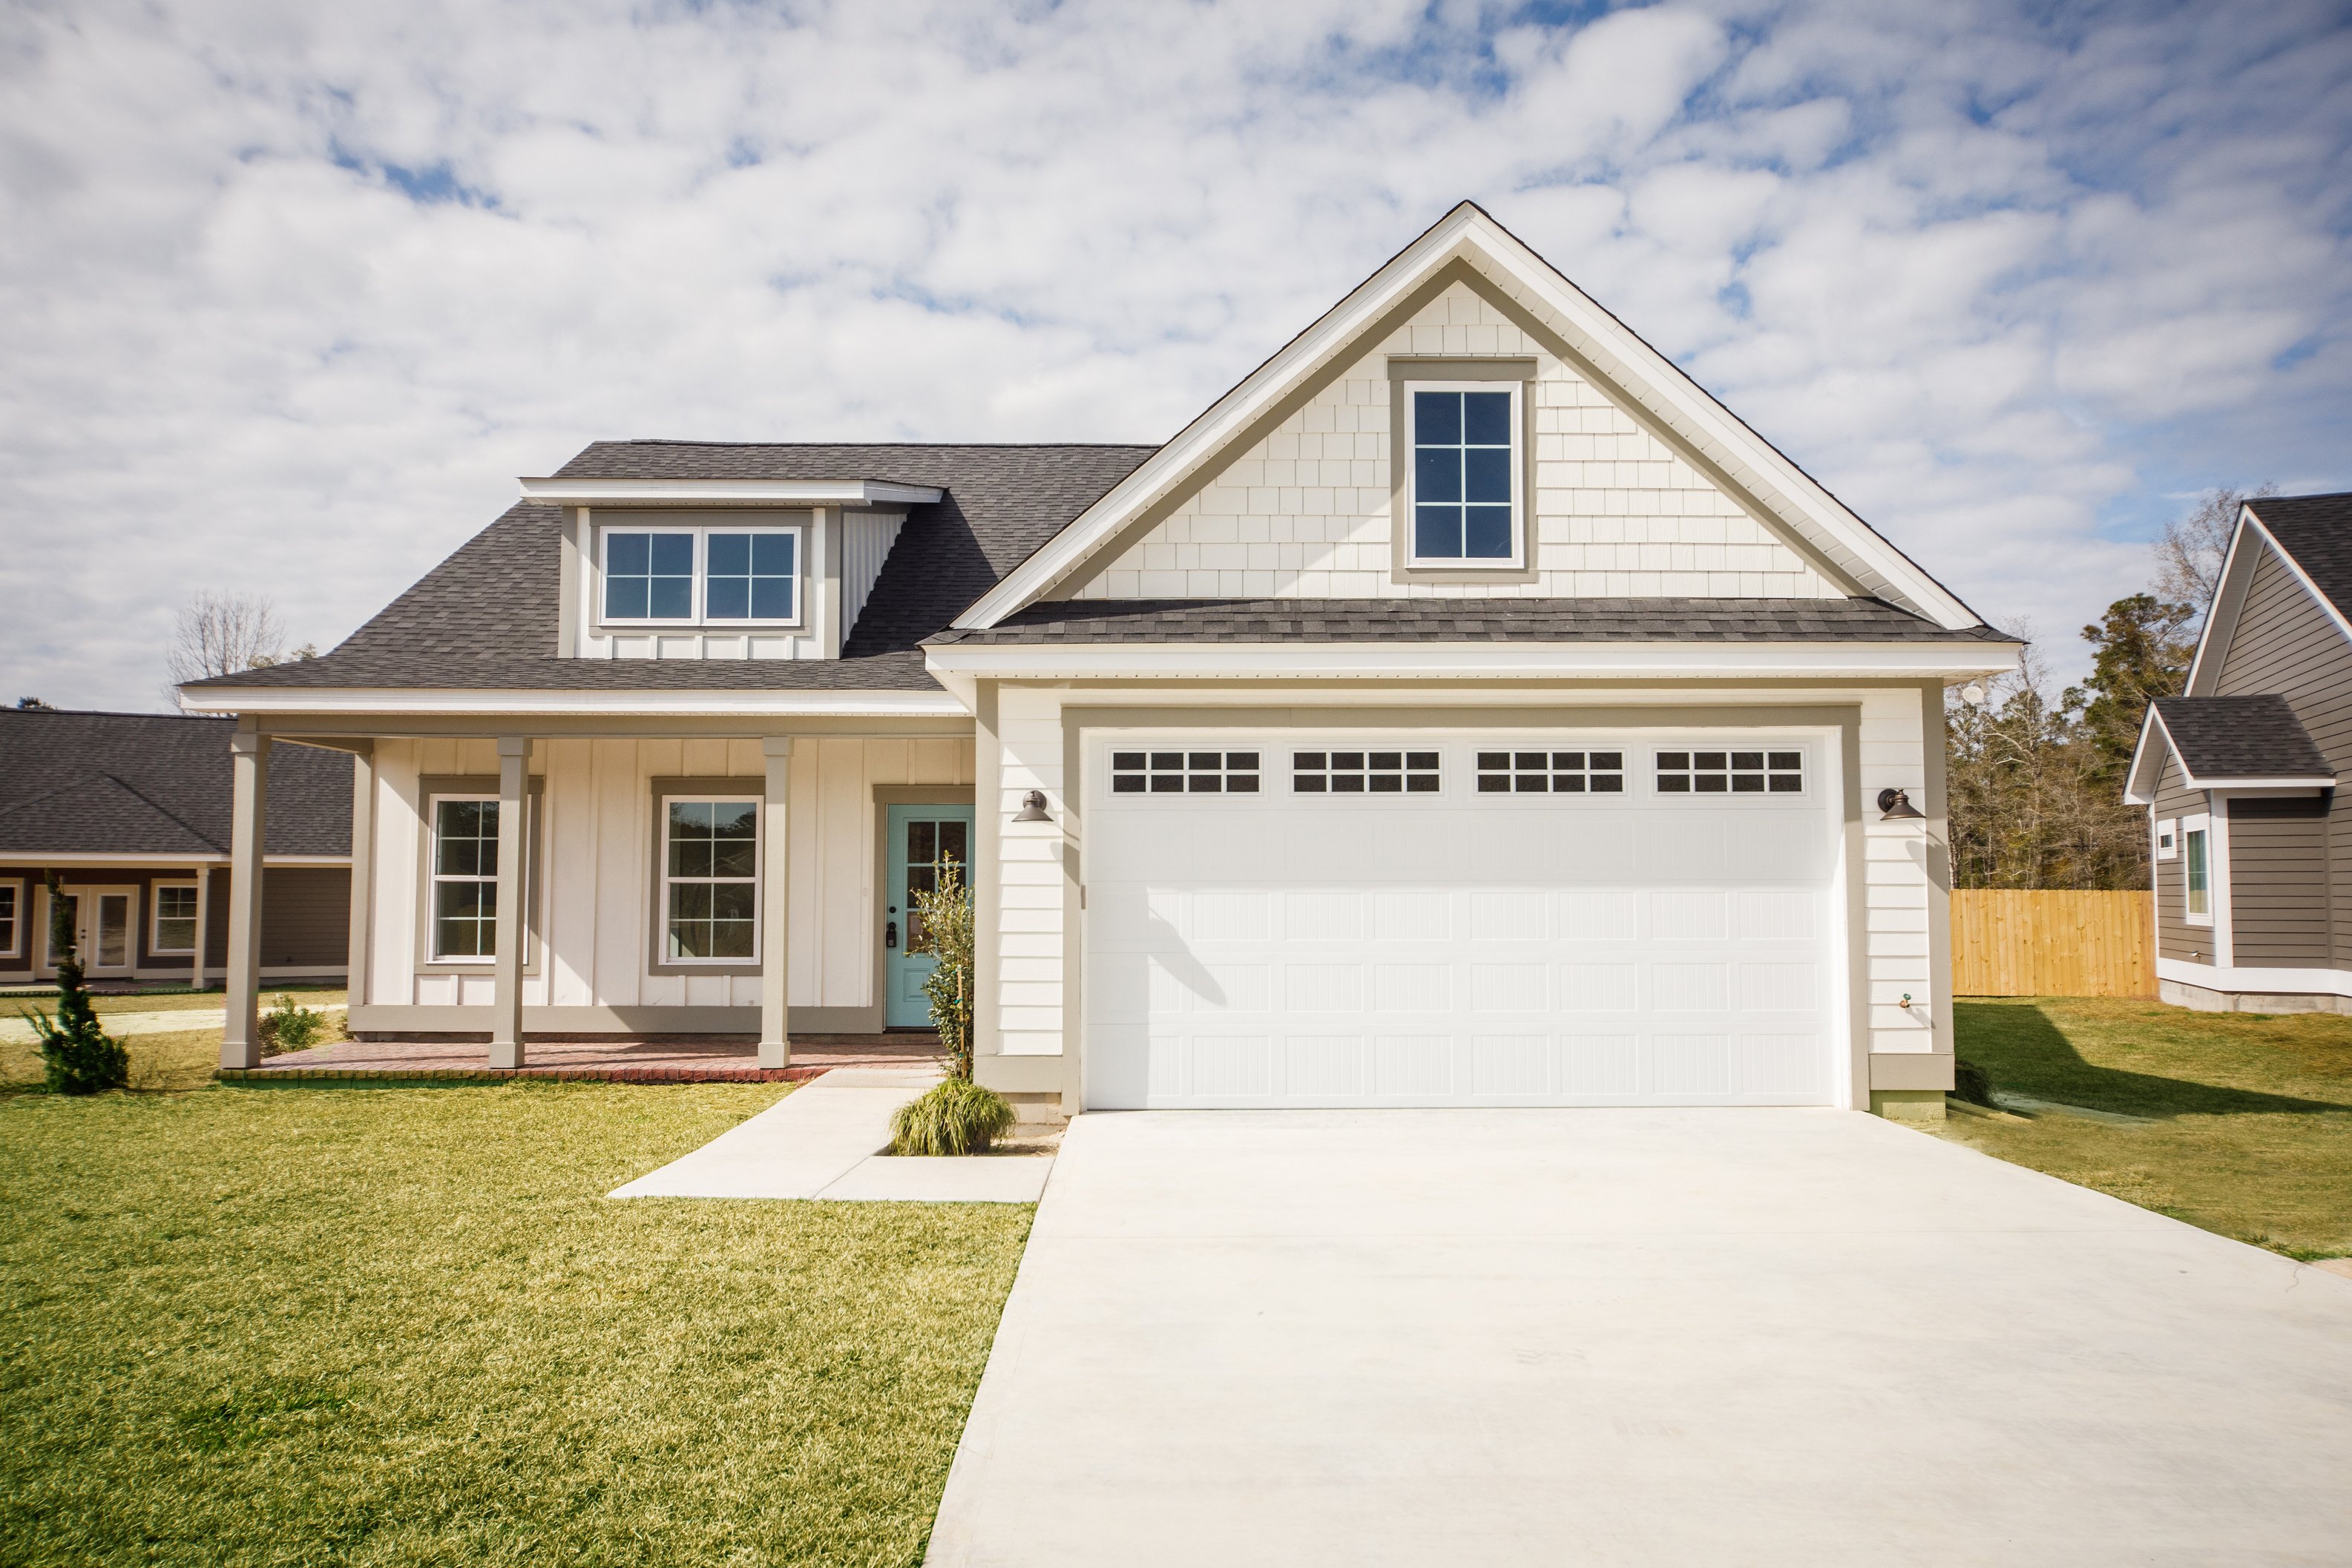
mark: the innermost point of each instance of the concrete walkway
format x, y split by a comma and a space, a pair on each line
1635, 1337
824, 1141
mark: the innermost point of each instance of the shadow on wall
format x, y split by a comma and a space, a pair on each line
2027, 1052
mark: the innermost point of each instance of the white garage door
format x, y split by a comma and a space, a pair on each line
1507, 919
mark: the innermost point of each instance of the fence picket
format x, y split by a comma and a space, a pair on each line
2013, 942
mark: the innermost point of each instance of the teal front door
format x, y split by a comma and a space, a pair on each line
921, 838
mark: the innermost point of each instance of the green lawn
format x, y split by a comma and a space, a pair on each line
336, 1324
158, 1061
2249, 1117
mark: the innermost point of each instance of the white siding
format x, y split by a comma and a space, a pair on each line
596, 898
1305, 513
1029, 879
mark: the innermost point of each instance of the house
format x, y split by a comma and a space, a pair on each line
131, 812
1464, 709
2238, 775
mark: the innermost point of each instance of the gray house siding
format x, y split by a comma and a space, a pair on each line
2283, 867
2174, 937
305, 918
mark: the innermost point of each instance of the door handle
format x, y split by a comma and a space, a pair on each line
890, 935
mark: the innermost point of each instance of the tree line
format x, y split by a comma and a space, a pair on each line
2036, 777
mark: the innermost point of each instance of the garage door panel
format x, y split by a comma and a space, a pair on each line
1518, 949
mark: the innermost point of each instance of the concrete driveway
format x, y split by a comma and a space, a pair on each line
1640, 1337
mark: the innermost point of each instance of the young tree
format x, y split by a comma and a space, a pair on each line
945, 916
77, 1056
2189, 552
2026, 809
221, 633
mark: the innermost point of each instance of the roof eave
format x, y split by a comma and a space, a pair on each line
580, 492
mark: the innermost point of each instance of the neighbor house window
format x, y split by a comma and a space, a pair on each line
175, 919
1465, 498
11, 918
1731, 772
2197, 850
710, 879
697, 576
2167, 839
465, 881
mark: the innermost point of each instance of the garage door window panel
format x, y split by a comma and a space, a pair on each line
1170, 772
1551, 772
1731, 772
1376, 770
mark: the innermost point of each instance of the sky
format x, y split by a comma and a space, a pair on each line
291, 294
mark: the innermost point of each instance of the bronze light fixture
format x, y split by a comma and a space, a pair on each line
1032, 807
1895, 805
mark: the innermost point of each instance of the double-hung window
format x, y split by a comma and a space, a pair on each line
175, 919
701, 575
465, 877
11, 918
710, 879
1464, 479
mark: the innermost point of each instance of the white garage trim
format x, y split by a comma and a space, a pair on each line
1709, 966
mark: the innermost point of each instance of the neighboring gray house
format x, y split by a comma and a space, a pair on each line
1464, 709
131, 812
2253, 845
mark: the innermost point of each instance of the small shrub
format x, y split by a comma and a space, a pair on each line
290, 1026
956, 1117
946, 915
1971, 1083
77, 1056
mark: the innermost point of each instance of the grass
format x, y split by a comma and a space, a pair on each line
178, 1060
345, 1325
2249, 1117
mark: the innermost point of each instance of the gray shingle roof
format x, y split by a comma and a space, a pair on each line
2241, 737
1468, 621
2317, 531
485, 617
123, 783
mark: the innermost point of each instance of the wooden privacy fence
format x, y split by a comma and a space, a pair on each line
2010, 942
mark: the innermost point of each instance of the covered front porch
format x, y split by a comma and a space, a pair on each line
691, 895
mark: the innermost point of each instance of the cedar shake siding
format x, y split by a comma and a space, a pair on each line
2174, 937
2284, 642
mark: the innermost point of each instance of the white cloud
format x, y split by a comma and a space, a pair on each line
289, 294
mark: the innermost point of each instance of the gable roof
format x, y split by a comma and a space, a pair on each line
145, 784
487, 617
2311, 536
1468, 237
2237, 742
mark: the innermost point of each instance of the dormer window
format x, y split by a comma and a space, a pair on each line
1465, 486
710, 575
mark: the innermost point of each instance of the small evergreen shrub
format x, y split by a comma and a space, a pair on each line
77, 1056
290, 1026
947, 916
1971, 1083
956, 1117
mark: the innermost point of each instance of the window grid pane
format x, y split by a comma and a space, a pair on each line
175, 919
1551, 772
1463, 463
1730, 772
1373, 771
464, 879
1184, 772
8, 917
711, 864
649, 576
751, 577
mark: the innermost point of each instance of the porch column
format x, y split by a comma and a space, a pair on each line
204, 924
248, 752
358, 950
514, 835
776, 903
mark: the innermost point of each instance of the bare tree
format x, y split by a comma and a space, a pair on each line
2189, 551
221, 633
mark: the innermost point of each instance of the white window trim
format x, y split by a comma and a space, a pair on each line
759, 866
2167, 828
16, 948
2200, 823
1651, 751
433, 880
155, 920
1517, 559
701, 534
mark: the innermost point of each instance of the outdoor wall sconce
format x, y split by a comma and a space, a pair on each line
1032, 807
1894, 805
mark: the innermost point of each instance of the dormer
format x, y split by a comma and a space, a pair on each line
719, 568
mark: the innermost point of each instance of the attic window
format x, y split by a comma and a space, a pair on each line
1463, 490
714, 575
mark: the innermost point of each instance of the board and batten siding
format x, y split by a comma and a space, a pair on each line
595, 913
2284, 642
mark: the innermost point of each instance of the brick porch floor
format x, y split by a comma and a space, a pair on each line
726, 1058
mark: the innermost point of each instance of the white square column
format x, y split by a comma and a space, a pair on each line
249, 821
775, 905
514, 840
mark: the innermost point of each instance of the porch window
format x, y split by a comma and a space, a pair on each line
710, 879
1464, 478
12, 920
175, 919
2196, 849
464, 877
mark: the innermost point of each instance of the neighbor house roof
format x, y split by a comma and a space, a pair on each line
2316, 530
486, 616
1428, 620
148, 784
2225, 740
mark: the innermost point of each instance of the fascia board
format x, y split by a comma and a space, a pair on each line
2139, 790
1644, 373
1544, 660
737, 492
2228, 600
616, 704
2227, 786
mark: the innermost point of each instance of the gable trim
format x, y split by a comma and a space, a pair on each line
1618, 358
2230, 601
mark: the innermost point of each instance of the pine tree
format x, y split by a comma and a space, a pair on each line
78, 1057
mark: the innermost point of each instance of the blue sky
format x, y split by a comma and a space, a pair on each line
290, 294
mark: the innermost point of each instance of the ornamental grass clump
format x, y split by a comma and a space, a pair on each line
956, 1117
77, 1056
